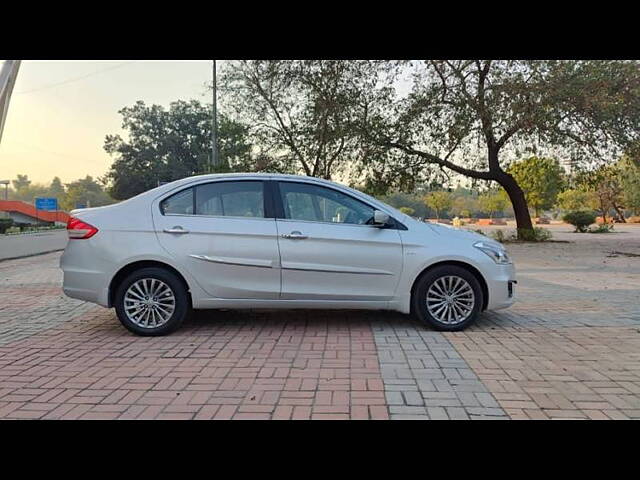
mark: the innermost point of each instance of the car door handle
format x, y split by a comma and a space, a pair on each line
176, 230
295, 235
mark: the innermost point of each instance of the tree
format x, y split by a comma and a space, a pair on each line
26, 191
605, 186
401, 200
630, 182
471, 116
541, 179
463, 206
166, 145
438, 201
307, 113
85, 191
573, 199
56, 189
21, 182
492, 202
407, 210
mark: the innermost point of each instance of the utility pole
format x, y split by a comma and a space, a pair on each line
6, 195
214, 130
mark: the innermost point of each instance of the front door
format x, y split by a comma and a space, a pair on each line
328, 251
218, 231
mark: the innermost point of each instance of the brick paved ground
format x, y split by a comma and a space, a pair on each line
570, 348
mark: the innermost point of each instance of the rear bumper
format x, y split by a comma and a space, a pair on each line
74, 288
84, 284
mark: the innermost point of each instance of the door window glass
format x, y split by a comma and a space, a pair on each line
230, 199
303, 201
179, 204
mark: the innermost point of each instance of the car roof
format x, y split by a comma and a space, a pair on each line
271, 176
256, 174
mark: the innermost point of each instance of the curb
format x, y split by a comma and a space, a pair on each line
31, 255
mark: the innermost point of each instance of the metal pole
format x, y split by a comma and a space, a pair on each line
214, 130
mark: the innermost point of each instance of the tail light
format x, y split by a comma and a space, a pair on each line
79, 230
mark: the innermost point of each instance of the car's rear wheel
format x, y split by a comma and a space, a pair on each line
152, 301
448, 298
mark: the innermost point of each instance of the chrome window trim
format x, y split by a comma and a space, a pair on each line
216, 216
194, 185
329, 223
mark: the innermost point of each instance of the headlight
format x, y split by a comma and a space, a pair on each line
499, 255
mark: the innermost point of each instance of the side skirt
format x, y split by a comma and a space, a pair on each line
211, 303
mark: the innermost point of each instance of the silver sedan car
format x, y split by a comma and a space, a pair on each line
238, 241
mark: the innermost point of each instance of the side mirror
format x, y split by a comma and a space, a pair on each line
380, 219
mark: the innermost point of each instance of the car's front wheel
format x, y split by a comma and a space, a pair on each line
447, 298
152, 301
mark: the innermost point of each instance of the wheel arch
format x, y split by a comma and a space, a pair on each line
470, 268
137, 265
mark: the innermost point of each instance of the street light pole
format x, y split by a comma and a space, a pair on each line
6, 196
214, 130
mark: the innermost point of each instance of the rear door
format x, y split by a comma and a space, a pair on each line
328, 251
221, 232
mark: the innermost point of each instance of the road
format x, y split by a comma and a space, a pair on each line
569, 348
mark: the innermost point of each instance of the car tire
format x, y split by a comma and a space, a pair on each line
447, 298
171, 303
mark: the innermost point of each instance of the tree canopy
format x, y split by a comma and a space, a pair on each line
541, 179
440, 201
492, 202
165, 145
307, 113
85, 191
474, 117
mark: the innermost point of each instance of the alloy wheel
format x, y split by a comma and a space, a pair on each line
149, 303
450, 299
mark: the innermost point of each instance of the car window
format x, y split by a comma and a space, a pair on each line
179, 204
230, 199
303, 201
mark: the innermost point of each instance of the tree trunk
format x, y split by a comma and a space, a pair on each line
518, 202
620, 213
604, 208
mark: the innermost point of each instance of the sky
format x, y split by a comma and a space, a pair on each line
61, 111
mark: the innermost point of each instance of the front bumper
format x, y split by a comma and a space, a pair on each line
502, 287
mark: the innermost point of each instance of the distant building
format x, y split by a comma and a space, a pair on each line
23, 212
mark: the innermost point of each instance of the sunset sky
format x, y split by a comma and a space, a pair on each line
60, 111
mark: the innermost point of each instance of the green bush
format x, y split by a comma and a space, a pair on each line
407, 211
5, 224
537, 234
23, 226
580, 219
